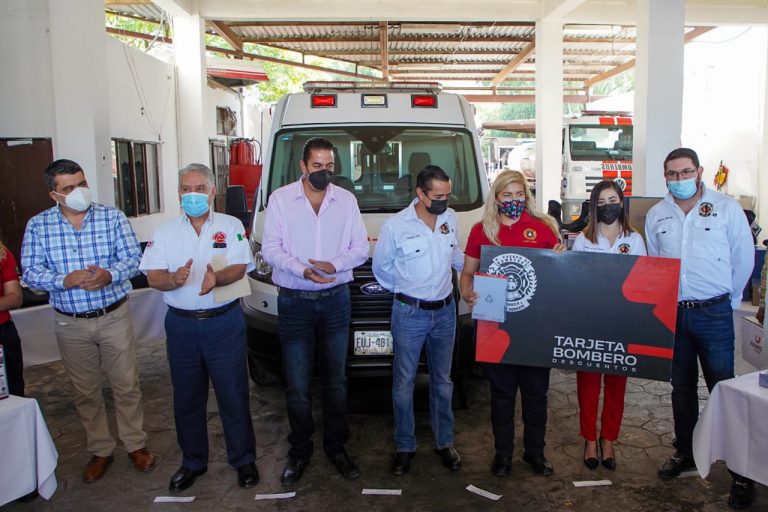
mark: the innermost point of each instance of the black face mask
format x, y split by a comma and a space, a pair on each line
608, 213
320, 179
438, 206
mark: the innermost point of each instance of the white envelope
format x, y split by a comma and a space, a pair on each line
493, 295
230, 292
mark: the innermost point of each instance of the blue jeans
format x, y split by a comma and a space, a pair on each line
306, 326
412, 329
706, 333
197, 350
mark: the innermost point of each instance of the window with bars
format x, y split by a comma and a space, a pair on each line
136, 176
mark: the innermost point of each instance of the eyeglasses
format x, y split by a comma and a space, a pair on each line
684, 174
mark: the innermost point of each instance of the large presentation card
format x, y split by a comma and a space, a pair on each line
605, 313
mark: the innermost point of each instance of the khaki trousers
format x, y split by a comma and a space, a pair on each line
89, 347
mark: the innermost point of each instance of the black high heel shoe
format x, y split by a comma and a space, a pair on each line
610, 462
590, 462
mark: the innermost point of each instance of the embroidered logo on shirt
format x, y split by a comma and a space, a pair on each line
624, 249
149, 244
530, 234
521, 279
444, 229
705, 210
219, 240
240, 237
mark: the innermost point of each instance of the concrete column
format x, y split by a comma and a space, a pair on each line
80, 91
189, 48
658, 91
549, 109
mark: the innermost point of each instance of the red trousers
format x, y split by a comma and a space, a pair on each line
588, 390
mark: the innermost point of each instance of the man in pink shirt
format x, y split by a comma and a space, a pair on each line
313, 237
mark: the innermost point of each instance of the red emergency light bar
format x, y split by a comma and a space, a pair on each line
423, 101
324, 100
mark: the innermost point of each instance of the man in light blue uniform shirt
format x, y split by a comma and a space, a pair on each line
413, 259
709, 233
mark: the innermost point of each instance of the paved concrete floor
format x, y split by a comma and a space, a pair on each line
644, 444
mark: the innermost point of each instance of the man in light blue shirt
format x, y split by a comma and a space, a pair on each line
413, 259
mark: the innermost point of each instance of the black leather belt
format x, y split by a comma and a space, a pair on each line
424, 304
202, 314
695, 304
311, 294
96, 313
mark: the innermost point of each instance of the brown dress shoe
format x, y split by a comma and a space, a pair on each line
96, 468
142, 460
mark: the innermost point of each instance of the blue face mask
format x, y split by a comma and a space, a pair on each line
195, 204
683, 189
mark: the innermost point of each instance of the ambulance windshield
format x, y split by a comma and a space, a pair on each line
379, 164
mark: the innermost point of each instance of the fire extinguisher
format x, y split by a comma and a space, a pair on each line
241, 152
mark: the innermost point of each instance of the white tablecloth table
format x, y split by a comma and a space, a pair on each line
734, 428
27, 454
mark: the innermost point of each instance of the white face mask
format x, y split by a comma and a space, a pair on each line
79, 199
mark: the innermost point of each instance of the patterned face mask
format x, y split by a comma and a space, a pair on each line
512, 209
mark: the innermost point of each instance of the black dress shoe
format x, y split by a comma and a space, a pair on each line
184, 478
247, 475
293, 471
449, 457
539, 464
608, 462
676, 465
502, 465
401, 462
346, 467
590, 462
742, 494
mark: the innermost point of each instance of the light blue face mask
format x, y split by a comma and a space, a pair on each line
195, 204
683, 189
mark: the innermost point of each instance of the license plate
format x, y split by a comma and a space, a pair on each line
373, 342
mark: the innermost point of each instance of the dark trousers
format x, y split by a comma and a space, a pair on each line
706, 336
14, 361
197, 350
533, 382
307, 326
702, 335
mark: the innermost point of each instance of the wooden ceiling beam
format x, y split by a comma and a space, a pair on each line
248, 55
227, 34
384, 47
513, 64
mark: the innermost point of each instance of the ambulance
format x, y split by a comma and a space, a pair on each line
383, 134
596, 146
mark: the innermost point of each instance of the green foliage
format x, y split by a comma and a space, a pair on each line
134, 25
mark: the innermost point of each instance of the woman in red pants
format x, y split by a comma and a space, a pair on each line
608, 231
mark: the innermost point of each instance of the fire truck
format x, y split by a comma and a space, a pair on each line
596, 146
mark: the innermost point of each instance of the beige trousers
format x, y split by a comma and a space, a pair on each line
89, 347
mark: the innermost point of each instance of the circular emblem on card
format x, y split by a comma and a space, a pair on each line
705, 210
219, 237
621, 182
530, 234
624, 249
521, 279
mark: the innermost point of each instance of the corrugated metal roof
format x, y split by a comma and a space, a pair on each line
448, 51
